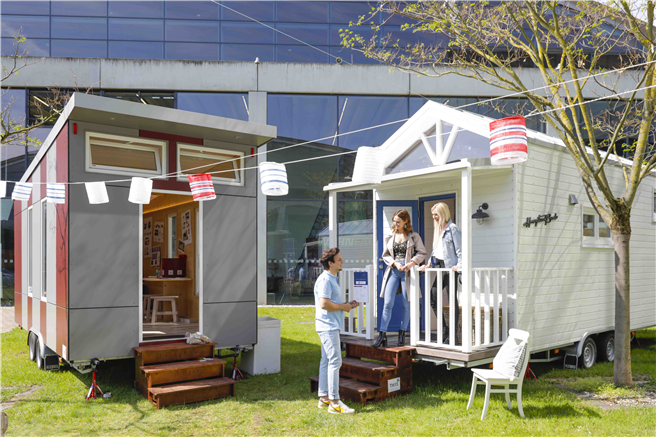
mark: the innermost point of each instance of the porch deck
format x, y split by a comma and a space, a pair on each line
434, 352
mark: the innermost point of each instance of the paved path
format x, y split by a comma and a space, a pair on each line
8, 319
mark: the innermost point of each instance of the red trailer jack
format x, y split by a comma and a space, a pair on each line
236, 373
94, 384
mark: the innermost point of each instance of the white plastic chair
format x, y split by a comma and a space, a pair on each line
509, 367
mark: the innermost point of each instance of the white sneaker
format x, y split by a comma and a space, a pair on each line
323, 404
340, 408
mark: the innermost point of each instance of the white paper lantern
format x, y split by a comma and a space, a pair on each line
368, 165
508, 142
273, 177
140, 190
3, 188
56, 193
96, 192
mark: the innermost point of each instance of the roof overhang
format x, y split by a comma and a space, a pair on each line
480, 167
131, 115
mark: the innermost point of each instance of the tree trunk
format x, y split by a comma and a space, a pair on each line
622, 363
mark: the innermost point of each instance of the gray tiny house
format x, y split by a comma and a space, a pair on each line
85, 272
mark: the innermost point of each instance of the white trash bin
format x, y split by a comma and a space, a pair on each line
264, 358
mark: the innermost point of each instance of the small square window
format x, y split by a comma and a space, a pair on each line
595, 232
225, 166
124, 155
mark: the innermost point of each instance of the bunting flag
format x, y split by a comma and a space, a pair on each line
202, 187
96, 192
140, 190
3, 188
56, 193
22, 191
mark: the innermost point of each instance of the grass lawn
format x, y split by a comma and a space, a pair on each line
283, 404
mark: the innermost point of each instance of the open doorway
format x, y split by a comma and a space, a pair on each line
170, 259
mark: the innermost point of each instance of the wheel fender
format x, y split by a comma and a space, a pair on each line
45, 350
578, 346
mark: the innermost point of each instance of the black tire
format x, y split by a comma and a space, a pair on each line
40, 361
31, 345
589, 354
606, 345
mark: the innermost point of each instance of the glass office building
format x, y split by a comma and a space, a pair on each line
161, 36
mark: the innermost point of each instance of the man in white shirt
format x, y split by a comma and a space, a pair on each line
329, 320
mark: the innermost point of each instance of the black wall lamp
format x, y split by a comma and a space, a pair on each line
479, 215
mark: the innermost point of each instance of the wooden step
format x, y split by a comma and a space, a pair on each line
173, 352
351, 390
399, 356
367, 370
194, 391
179, 371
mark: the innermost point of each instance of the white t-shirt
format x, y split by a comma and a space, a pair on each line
438, 252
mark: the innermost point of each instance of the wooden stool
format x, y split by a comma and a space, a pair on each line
154, 303
147, 304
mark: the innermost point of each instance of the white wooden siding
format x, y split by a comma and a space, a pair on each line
565, 290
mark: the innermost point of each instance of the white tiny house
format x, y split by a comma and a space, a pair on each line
542, 261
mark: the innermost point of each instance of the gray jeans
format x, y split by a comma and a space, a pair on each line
331, 361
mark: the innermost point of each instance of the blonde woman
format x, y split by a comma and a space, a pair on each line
447, 253
403, 250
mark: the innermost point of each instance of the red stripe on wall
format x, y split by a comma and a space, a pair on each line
43, 327
18, 251
18, 308
61, 165
172, 183
62, 331
29, 313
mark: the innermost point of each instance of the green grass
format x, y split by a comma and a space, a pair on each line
282, 404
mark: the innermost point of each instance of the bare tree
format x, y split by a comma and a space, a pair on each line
43, 110
565, 42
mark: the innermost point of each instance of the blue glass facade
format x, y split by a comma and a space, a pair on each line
197, 30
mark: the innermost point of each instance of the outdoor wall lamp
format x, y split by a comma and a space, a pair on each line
479, 215
573, 200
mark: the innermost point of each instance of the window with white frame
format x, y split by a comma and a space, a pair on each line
172, 235
130, 156
595, 232
29, 251
225, 166
44, 249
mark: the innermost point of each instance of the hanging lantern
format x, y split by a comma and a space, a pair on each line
3, 188
22, 191
56, 193
202, 187
368, 167
96, 192
140, 190
508, 143
273, 177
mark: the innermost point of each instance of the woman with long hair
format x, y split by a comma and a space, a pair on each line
403, 250
447, 253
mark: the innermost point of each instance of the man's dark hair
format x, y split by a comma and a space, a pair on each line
327, 256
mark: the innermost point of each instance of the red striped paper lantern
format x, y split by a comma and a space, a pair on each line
508, 143
202, 187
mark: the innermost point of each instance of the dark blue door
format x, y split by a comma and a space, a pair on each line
385, 212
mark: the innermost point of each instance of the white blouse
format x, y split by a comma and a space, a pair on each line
438, 252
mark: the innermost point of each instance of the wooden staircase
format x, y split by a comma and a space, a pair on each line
368, 381
178, 373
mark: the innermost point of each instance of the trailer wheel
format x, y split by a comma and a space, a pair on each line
32, 347
40, 360
589, 354
607, 347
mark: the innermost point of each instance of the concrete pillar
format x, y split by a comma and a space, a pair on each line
257, 113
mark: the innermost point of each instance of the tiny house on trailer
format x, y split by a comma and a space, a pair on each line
86, 275
542, 261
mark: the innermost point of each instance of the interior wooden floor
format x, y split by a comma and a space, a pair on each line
162, 330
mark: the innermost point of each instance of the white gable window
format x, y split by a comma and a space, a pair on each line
225, 166
595, 232
129, 156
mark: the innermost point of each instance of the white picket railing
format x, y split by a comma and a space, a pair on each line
489, 303
360, 320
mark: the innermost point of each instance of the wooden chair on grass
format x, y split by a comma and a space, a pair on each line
508, 368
